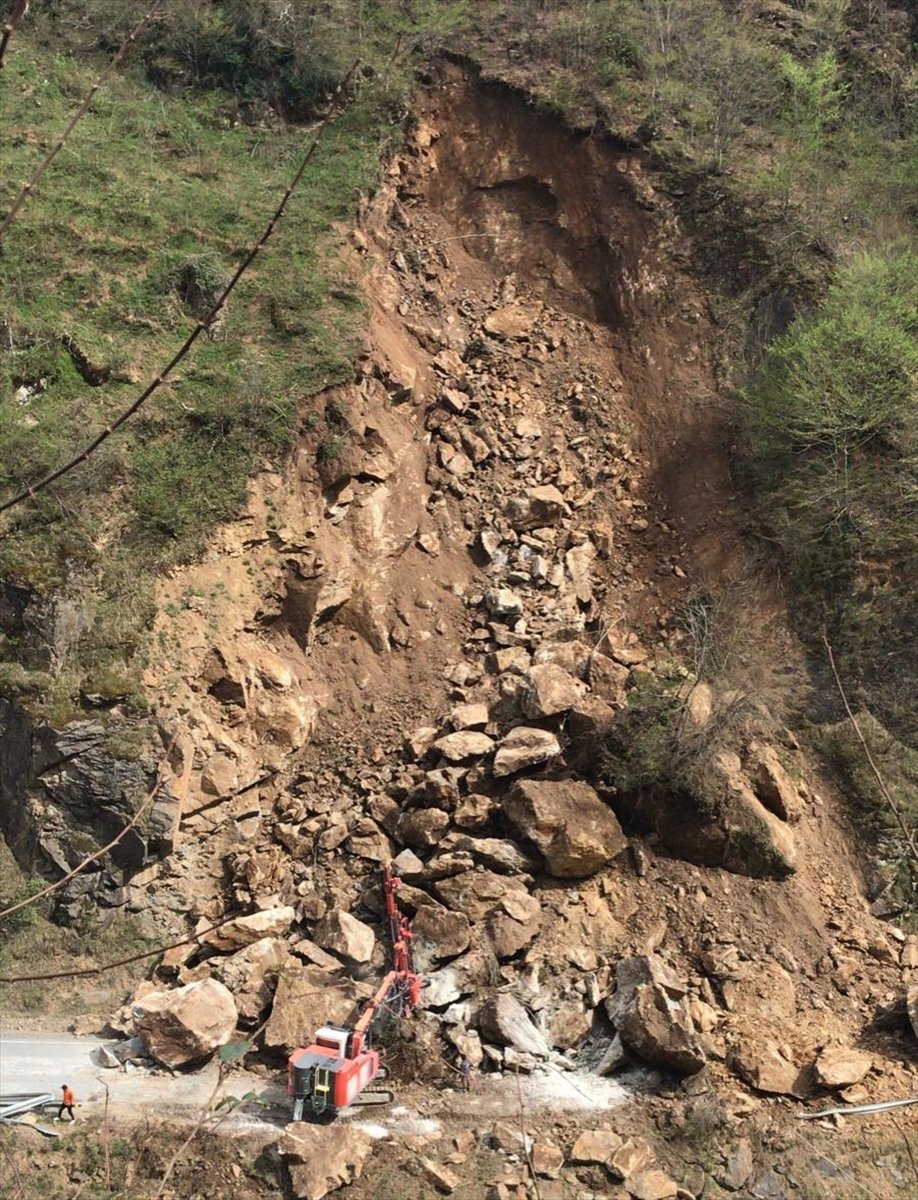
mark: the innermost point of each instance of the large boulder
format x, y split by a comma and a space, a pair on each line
497, 854
513, 924
772, 784
251, 975
635, 971
438, 934
322, 1158
422, 827
758, 843
345, 935
595, 1146
476, 893
538, 506
766, 1069
660, 1031
307, 997
187, 1024
576, 833
841, 1066
512, 321
911, 1008
503, 1020
548, 689
270, 923
464, 744
651, 1022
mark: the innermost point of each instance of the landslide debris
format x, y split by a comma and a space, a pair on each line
426, 641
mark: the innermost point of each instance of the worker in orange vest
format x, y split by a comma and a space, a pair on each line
67, 1101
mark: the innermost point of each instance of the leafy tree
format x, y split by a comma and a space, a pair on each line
814, 95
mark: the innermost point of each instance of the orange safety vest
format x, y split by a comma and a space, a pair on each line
69, 1097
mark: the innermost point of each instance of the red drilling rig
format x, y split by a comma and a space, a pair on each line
336, 1069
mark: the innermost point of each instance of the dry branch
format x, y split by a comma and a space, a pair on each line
884, 790
86, 972
20, 8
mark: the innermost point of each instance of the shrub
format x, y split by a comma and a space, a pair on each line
832, 435
654, 749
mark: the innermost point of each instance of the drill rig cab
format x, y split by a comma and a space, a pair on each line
335, 1071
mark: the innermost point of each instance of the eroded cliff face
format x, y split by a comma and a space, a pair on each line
533, 323
416, 638
535, 413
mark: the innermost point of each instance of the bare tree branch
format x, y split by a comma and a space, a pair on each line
29, 187
31, 491
87, 972
20, 8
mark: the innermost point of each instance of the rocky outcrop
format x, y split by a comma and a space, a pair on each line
575, 832
503, 1020
185, 1025
63, 794
320, 1158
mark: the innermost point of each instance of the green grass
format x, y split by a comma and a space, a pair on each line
31, 943
149, 186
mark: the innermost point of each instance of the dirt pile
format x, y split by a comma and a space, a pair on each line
414, 644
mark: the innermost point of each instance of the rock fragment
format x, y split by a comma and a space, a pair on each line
271, 922
308, 996
439, 935
343, 934
841, 1066
548, 690
595, 1146
660, 1031
524, 747
574, 831
251, 975
503, 1020
322, 1158
440, 1176
464, 744
767, 1070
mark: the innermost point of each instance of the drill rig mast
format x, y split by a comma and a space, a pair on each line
341, 1063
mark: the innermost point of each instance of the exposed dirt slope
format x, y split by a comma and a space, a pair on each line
530, 471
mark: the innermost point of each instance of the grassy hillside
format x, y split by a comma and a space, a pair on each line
132, 234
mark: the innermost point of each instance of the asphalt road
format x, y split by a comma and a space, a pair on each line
41, 1062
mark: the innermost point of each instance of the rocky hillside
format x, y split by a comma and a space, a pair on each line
498, 617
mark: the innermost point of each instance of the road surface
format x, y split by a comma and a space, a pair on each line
41, 1062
